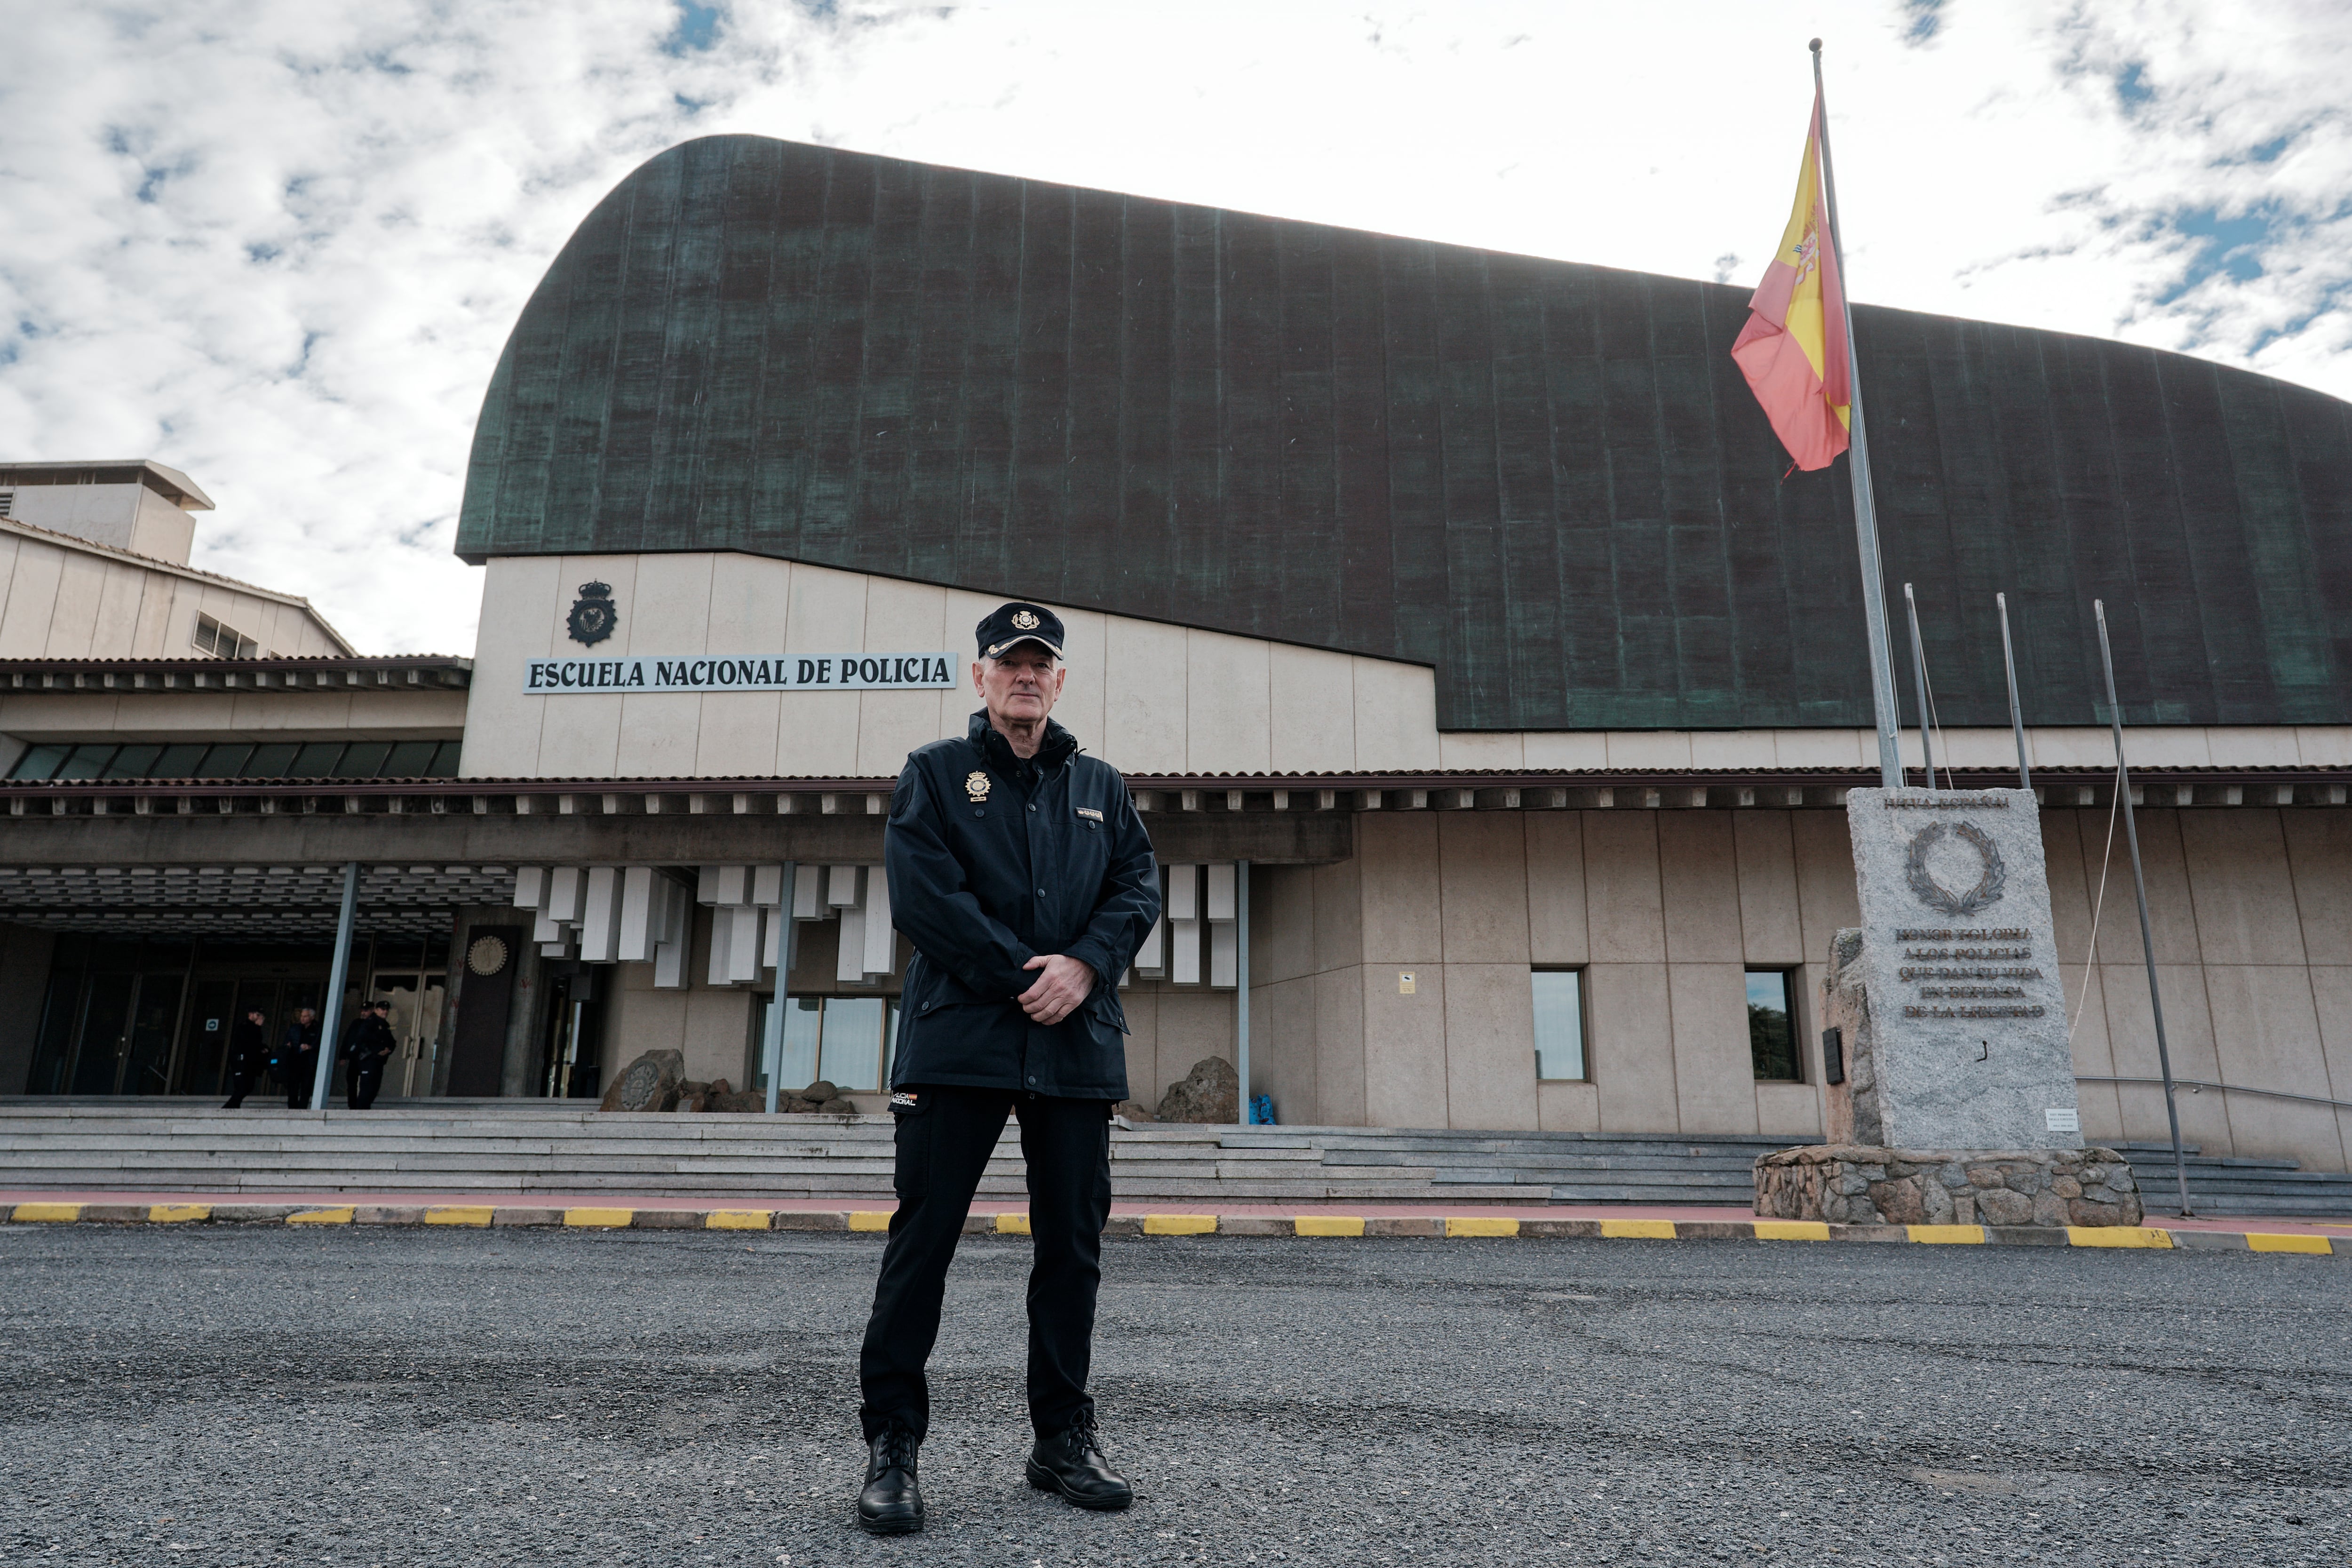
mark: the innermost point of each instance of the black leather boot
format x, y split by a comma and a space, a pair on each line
892, 1503
1071, 1462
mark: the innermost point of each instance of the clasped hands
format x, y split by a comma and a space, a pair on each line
1066, 983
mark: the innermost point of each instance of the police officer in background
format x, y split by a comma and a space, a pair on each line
1021, 872
249, 1053
369, 1046
297, 1062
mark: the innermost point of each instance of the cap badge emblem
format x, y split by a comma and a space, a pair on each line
1025, 619
975, 784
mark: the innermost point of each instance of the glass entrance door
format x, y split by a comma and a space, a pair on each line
129, 1024
211, 1020
154, 1017
568, 1065
409, 974
154, 1026
414, 1014
105, 1033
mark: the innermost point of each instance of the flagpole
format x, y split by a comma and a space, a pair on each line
1865, 512
2146, 932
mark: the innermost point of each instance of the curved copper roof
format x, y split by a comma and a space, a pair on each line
1545, 479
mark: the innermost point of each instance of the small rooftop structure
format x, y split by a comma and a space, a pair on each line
134, 504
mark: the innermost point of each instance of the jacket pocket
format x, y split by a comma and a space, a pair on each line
944, 990
1105, 1006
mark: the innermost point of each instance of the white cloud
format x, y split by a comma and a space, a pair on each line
279, 243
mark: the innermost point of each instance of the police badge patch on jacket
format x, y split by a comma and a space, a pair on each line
993, 859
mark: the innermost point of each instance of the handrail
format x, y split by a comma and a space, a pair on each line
2200, 1085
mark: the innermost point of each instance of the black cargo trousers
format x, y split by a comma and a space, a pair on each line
943, 1144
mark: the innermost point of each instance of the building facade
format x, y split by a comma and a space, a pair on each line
1491, 693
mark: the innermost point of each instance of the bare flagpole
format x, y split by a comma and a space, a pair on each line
1865, 511
2147, 933
2016, 713
1919, 683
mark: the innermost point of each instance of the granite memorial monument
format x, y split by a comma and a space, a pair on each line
1951, 1086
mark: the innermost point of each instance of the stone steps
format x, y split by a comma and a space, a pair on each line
550, 1146
2225, 1185
523, 1146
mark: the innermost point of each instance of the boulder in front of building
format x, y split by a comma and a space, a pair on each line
722, 1095
1211, 1092
649, 1083
1857, 1184
819, 1099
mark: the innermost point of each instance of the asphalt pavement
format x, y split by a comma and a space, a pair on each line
250, 1396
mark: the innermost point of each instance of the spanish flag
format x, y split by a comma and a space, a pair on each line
1793, 350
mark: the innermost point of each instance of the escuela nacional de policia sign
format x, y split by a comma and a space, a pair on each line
741, 672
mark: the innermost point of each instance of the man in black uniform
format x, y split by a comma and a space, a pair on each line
296, 1062
249, 1053
1024, 877
369, 1048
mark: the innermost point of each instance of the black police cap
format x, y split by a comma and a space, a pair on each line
1018, 623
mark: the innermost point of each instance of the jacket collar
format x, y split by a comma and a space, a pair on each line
1058, 747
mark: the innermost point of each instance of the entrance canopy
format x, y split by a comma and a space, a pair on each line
251, 902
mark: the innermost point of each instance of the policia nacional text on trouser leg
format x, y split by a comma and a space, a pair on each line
943, 1146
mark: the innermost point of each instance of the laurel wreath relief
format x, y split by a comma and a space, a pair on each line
1934, 894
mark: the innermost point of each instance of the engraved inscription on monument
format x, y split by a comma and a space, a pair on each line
1967, 1012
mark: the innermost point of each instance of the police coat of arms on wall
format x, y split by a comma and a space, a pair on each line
593, 614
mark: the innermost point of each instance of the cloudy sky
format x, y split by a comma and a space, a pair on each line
279, 243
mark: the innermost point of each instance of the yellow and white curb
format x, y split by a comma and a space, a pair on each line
1458, 1227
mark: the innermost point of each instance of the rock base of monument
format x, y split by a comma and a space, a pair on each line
1855, 1183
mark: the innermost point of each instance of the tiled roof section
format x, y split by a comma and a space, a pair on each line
1545, 481
404, 672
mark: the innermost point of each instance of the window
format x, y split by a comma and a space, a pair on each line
1773, 1026
178, 761
132, 763
222, 761
362, 760
796, 1067
226, 642
844, 1040
315, 760
86, 762
240, 759
849, 1055
274, 761
1560, 1023
409, 759
7, 503
39, 762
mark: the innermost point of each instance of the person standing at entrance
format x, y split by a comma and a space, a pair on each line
1021, 874
296, 1062
249, 1053
370, 1046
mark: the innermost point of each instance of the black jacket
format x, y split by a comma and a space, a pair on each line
369, 1040
248, 1042
299, 1038
992, 860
